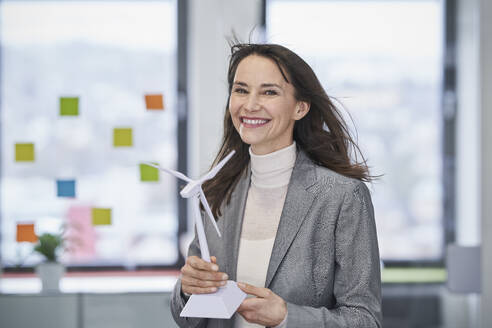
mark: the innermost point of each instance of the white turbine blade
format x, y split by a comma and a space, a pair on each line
208, 211
217, 167
175, 173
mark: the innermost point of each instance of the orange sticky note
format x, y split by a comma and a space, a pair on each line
155, 101
25, 232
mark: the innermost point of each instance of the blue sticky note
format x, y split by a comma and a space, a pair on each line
65, 188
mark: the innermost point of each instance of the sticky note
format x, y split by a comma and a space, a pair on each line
155, 101
122, 137
25, 232
81, 233
69, 106
101, 216
24, 152
148, 173
65, 188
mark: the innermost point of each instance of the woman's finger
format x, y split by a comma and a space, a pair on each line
256, 291
207, 275
193, 282
203, 275
200, 264
198, 290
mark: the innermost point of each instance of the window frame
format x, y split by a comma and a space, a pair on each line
182, 147
448, 107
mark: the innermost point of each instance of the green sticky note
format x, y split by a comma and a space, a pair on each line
122, 137
24, 152
148, 173
69, 106
101, 216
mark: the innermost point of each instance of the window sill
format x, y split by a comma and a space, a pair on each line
413, 275
94, 282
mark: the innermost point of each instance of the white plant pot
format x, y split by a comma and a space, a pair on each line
50, 274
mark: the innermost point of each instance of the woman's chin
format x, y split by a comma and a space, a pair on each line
250, 140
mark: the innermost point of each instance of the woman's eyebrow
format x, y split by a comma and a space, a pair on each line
241, 83
263, 85
269, 85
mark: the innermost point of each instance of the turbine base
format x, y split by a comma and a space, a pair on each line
220, 305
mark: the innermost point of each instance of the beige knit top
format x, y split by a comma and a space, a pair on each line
270, 175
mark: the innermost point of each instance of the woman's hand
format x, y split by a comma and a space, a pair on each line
200, 277
267, 308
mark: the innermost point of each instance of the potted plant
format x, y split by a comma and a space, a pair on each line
51, 270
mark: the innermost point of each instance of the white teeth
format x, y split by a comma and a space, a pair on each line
245, 120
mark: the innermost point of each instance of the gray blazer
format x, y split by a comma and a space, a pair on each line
325, 258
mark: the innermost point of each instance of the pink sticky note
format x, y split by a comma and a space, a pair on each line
81, 233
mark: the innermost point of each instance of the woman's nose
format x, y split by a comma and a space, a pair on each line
252, 103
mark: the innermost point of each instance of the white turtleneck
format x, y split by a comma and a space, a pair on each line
270, 175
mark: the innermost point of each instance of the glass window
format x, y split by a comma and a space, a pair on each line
382, 60
108, 55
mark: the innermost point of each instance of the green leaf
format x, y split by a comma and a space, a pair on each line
48, 245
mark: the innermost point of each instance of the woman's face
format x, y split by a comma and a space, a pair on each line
262, 105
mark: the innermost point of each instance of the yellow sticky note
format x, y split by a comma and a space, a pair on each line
155, 101
101, 216
24, 152
25, 232
122, 137
148, 173
69, 106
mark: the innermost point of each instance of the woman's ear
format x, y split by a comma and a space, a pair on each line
302, 108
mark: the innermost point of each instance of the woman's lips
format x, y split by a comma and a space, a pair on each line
253, 122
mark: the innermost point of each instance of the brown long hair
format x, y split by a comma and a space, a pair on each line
322, 133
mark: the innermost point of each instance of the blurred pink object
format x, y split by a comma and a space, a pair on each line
81, 235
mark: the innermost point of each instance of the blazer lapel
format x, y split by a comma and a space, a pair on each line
233, 221
297, 203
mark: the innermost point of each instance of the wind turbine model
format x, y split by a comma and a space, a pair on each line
224, 302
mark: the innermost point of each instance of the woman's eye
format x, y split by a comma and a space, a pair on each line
240, 90
270, 92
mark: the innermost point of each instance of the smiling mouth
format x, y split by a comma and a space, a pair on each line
253, 122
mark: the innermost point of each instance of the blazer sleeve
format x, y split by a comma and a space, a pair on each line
357, 285
178, 301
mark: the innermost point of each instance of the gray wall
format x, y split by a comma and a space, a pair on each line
485, 19
474, 146
86, 311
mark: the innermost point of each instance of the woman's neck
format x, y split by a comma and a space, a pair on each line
274, 169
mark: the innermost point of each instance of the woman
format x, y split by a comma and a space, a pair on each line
298, 224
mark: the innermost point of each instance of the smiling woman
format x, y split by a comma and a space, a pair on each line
263, 106
297, 219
